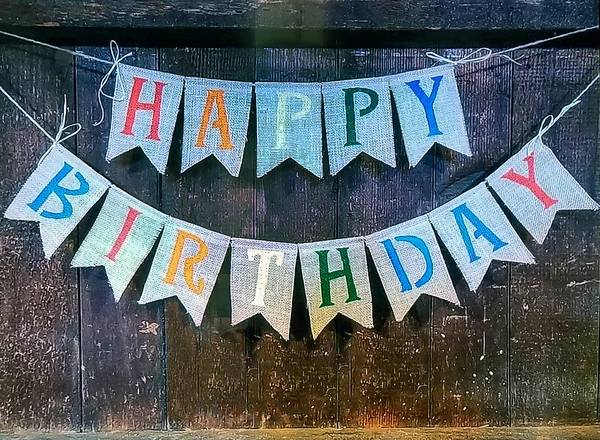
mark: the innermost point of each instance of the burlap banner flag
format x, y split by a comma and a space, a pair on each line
58, 194
430, 111
336, 280
534, 185
358, 118
476, 231
410, 264
186, 265
289, 126
216, 117
120, 239
262, 282
146, 117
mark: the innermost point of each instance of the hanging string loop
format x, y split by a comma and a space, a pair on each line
115, 54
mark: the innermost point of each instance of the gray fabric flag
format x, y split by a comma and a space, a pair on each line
57, 195
120, 239
476, 231
430, 111
336, 280
216, 116
289, 126
186, 265
146, 117
410, 264
358, 118
262, 282
534, 185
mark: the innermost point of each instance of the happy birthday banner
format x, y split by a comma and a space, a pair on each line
216, 113
532, 184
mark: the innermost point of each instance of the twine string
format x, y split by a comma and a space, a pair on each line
483, 54
61, 49
550, 120
114, 52
63, 130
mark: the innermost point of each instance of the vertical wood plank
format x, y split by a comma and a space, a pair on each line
206, 375
384, 372
122, 378
39, 310
469, 345
296, 382
554, 304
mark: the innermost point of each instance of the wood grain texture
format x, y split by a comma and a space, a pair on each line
384, 373
296, 381
39, 312
206, 367
121, 369
554, 304
307, 14
469, 383
484, 433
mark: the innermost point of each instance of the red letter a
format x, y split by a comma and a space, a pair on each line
135, 105
530, 183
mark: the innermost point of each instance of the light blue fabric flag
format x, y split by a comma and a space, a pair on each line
57, 195
289, 126
430, 111
534, 185
358, 118
476, 231
146, 117
215, 121
410, 264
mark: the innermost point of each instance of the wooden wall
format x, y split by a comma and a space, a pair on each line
523, 350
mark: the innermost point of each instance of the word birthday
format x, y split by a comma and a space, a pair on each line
358, 118
532, 184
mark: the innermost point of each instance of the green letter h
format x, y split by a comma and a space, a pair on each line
327, 277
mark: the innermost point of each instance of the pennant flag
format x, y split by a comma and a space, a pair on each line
186, 265
262, 282
58, 194
216, 116
410, 264
336, 280
534, 185
430, 111
289, 126
358, 118
476, 231
120, 239
146, 117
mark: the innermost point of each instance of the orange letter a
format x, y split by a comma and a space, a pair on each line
221, 123
188, 263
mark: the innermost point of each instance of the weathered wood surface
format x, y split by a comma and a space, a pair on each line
206, 367
39, 311
296, 381
554, 304
384, 384
522, 350
305, 14
121, 343
469, 343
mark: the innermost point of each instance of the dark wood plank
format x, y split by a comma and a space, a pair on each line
206, 377
39, 311
296, 382
469, 384
294, 14
554, 304
384, 373
122, 375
